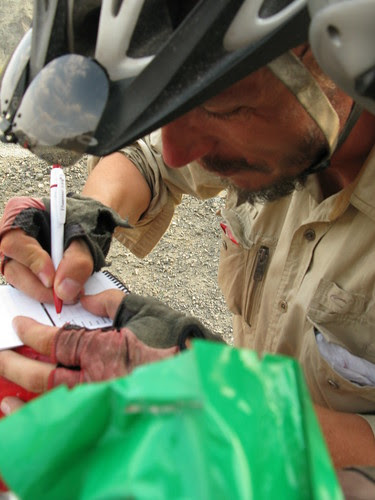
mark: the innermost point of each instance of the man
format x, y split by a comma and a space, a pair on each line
296, 271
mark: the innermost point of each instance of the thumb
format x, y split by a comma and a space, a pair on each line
74, 270
103, 304
10, 404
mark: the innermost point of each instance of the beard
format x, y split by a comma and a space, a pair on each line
279, 189
282, 188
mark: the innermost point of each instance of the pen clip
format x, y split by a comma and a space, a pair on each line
61, 199
58, 196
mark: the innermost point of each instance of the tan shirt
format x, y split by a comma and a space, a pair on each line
302, 265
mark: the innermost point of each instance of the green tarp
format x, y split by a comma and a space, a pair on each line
212, 423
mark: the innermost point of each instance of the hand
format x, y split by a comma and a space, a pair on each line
31, 269
97, 305
25, 239
77, 355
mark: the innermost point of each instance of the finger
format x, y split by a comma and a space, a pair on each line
62, 375
36, 335
103, 304
23, 279
10, 404
26, 250
30, 374
73, 272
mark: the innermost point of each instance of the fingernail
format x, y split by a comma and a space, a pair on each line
68, 289
4, 407
46, 280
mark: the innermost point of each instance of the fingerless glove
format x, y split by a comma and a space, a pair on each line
86, 218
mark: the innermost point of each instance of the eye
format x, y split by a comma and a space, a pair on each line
225, 114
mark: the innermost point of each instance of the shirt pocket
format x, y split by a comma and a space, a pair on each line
343, 319
241, 277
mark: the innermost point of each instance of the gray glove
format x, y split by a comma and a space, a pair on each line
85, 218
157, 325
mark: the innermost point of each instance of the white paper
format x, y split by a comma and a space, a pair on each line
76, 315
15, 303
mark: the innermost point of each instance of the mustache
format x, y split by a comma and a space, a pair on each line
219, 165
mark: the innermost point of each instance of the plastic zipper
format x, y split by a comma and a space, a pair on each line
261, 261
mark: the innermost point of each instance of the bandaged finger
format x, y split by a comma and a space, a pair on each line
13, 209
67, 376
96, 355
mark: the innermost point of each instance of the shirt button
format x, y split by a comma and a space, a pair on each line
283, 306
333, 384
309, 234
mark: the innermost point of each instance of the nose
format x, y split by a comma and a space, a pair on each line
185, 140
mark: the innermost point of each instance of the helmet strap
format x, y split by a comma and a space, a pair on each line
325, 162
297, 78
292, 72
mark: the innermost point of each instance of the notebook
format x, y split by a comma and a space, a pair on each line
13, 303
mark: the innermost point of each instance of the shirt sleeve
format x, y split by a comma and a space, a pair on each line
167, 186
370, 419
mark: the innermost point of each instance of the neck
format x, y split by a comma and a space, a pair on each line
348, 160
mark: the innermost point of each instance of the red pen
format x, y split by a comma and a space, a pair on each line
58, 302
58, 212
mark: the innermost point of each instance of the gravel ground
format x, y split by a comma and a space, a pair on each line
181, 270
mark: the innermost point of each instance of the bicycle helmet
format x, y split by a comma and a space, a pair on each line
92, 76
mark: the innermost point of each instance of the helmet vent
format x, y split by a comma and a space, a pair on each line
116, 6
148, 36
271, 7
180, 10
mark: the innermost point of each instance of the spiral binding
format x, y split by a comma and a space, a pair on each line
119, 284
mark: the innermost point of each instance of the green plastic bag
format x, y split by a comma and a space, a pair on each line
212, 423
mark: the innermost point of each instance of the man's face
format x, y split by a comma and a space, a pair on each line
255, 135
